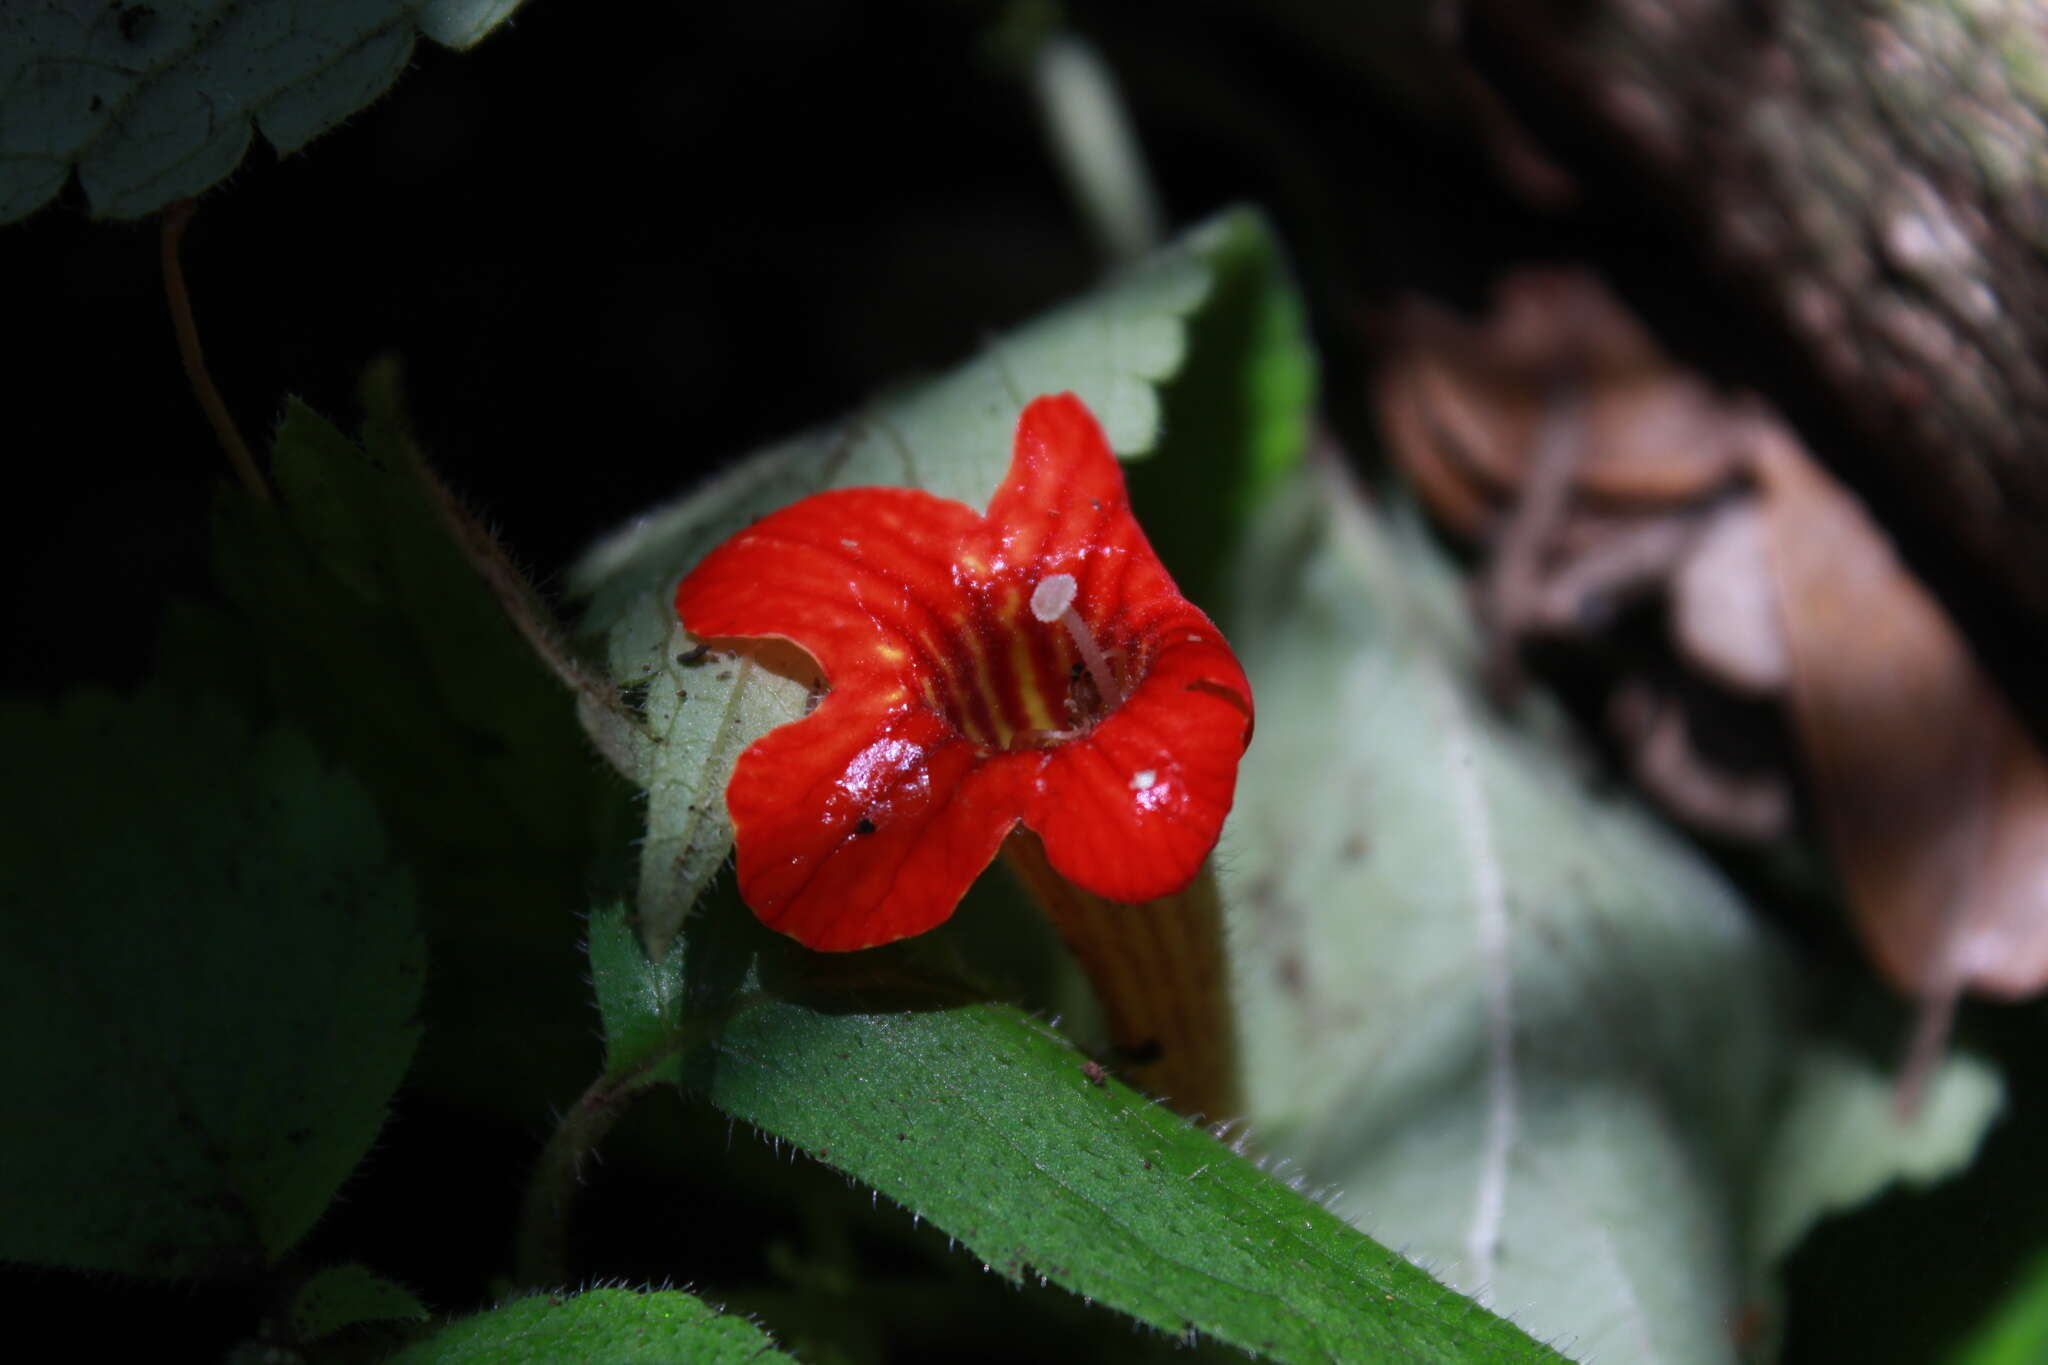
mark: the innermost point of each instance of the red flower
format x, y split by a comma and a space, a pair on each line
964, 698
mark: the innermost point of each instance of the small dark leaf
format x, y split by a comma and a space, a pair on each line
602, 1327
345, 1295
208, 971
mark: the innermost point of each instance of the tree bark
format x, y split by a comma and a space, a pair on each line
1876, 172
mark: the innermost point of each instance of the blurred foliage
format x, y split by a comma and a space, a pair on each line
344, 1295
209, 965
2017, 1333
151, 103
348, 609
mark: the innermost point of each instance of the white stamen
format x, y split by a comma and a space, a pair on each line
1053, 600
1143, 780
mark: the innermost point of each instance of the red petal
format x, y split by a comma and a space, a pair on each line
1131, 811
848, 575
1063, 508
858, 827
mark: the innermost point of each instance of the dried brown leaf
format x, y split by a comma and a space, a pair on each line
1596, 467
1933, 798
1464, 403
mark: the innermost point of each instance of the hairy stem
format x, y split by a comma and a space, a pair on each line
542, 1258
520, 601
544, 1215
176, 217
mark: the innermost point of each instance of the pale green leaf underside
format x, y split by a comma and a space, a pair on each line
156, 102
1525, 1032
1841, 1141
1532, 1037
985, 1122
208, 971
602, 1327
698, 713
950, 436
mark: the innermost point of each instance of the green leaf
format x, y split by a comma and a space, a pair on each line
2018, 1333
699, 712
344, 1296
1236, 414
1528, 1033
602, 1327
989, 1125
1840, 1142
155, 102
208, 971
640, 1002
351, 612
950, 436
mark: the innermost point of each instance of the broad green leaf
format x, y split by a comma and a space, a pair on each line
989, 1125
2018, 1334
351, 612
602, 1327
344, 1296
155, 102
992, 1127
1840, 1141
208, 971
1529, 1034
950, 436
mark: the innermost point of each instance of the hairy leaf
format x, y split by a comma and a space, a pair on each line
639, 1002
155, 102
993, 1127
602, 1327
208, 978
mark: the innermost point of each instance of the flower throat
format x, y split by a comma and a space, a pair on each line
1013, 684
